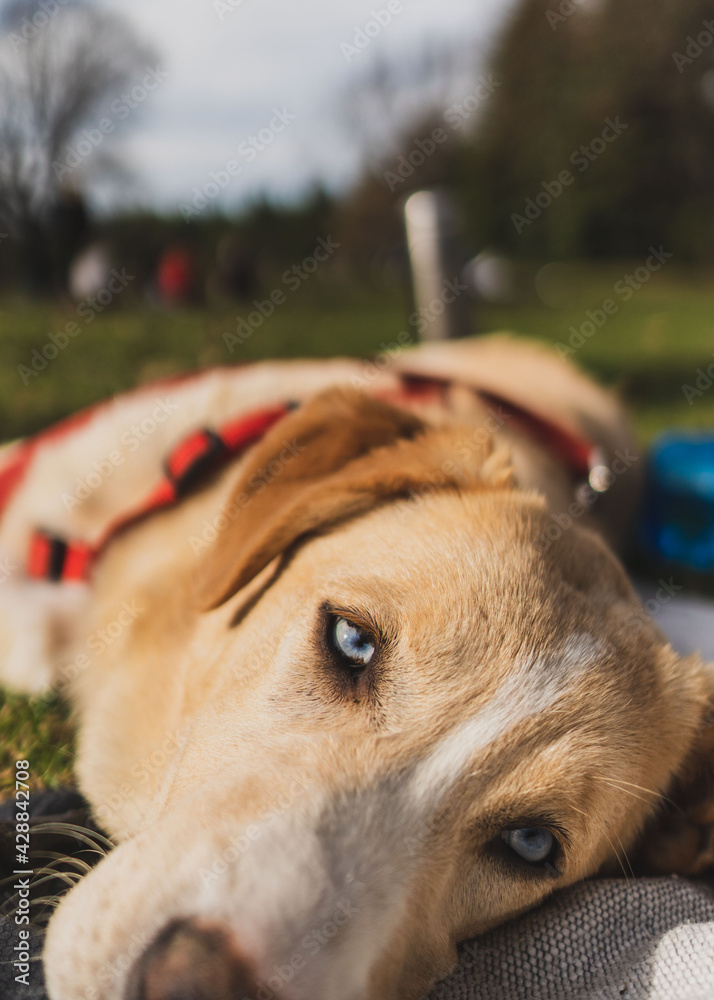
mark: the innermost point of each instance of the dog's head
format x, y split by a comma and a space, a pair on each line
405, 721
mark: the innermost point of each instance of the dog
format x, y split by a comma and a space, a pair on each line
376, 684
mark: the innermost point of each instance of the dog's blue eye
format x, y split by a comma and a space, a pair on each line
352, 642
533, 843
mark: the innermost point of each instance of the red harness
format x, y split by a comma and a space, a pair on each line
204, 451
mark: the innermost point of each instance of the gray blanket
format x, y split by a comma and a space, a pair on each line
601, 940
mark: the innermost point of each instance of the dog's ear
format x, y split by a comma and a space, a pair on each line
335, 457
679, 839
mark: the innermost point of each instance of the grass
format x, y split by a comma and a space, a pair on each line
120, 349
38, 730
649, 348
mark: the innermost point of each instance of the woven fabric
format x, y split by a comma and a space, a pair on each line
649, 939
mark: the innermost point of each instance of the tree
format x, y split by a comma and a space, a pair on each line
390, 100
566, 68
61, 67
392, 110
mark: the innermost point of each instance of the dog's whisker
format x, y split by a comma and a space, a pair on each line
631, 784
582, 812
48, 875
48, 900
92, 838
10, 961
625, 855
627, 876
45, 870
660, 796
625, 791
71, 878
81, 865
7, 880
614, 850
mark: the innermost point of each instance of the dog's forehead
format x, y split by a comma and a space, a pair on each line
449, 532
461, 569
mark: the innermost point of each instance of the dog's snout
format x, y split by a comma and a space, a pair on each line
191, 961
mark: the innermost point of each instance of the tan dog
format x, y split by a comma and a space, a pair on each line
401, 692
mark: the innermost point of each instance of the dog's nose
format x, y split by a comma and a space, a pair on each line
191, 961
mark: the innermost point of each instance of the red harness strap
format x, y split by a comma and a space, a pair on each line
578, 455
204, 451
13, 474
193, 458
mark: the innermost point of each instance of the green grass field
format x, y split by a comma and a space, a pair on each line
649, 348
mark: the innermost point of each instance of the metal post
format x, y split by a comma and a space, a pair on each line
437, 258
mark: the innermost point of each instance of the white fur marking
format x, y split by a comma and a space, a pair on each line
535, 685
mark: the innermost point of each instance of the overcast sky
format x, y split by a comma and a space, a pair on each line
230, 63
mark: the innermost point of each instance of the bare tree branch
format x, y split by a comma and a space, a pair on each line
58, 75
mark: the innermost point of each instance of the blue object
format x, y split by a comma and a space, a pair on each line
678, 520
